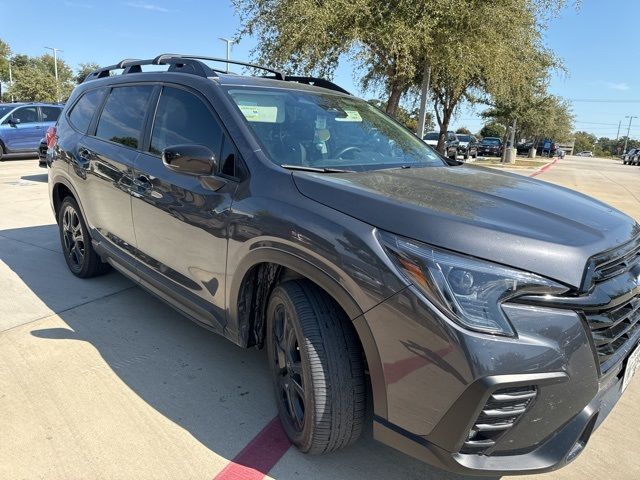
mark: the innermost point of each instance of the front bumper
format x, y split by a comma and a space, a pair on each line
438, 379
557, 451
489, 152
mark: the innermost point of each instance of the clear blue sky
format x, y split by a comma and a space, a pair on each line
598, 44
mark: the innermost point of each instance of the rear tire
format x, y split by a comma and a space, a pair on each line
1, 152
81, 258
316, 366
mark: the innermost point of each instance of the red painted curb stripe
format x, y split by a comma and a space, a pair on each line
543, 168
259, 456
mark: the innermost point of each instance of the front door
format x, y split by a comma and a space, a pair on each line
104, 165
26, 134
180, 221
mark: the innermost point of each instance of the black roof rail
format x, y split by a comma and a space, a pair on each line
177, 64
193, 64
317, 82
278, 74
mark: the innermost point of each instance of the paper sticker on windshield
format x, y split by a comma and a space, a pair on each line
260, 113
352, 116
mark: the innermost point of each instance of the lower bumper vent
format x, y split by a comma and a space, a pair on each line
503, 409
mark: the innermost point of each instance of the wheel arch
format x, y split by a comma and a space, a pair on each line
252, 283
60, 189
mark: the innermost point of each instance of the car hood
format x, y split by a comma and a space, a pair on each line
498, 216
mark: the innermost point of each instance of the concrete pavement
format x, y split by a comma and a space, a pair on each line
98, 379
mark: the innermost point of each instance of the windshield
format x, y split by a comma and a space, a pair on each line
432, 136
491, 141
4, 110
323, 130
464, 138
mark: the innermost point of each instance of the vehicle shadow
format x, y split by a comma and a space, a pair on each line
41, 177
218, 392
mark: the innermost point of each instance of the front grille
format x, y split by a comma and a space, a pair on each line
611, 329
616, 273
503, 409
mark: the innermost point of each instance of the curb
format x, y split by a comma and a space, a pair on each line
544, 168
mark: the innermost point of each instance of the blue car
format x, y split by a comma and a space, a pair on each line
23, 125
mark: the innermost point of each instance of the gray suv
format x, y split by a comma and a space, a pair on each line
489, 320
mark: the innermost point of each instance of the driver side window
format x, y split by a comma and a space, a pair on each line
26, 115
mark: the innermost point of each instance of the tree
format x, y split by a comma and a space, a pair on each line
463, 131
85, 69
382, 38
408, 118
497, 55
493, 129
32, 84
584, 141
34, 79
5, 54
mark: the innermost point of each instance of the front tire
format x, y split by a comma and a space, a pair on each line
316, 366
81, 258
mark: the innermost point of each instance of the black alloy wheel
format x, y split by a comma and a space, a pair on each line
317, 368
81, 258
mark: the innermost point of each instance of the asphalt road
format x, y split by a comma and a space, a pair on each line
98, 379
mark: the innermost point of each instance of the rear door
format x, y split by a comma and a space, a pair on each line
104, 166
181, 220
26, 135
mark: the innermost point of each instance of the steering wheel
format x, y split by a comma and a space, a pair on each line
347, 149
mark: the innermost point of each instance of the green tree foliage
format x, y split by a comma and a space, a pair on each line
584, 141
407, 117
393, 42
605, 146
493, 129
463, 131
310, 37
85, 69
34, 79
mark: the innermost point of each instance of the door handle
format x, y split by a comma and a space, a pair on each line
141, 184
84, 157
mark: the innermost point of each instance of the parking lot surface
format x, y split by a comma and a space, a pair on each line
98, 379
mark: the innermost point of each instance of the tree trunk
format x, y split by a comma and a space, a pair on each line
394, 99
444, 128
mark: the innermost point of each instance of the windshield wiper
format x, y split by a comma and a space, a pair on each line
315, 169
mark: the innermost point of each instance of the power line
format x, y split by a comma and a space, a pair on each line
602, 100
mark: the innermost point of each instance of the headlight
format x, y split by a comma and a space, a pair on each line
467, 290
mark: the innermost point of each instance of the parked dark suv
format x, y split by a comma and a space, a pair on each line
491, 320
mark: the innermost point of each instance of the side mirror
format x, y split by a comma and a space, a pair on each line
14, 121
195, 160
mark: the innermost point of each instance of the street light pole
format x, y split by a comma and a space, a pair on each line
10, 80
55, 67
229, 41
630, 117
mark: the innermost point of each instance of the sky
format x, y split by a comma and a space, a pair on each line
597, 42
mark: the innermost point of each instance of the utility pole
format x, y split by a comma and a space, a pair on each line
55, 67
630, 117
422, 120
229, 41
10, 81
618, 134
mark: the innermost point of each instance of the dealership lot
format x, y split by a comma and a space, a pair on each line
98, 379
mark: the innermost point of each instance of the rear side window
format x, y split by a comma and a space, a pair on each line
50, 114
122, 118
182, 118
82, 112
